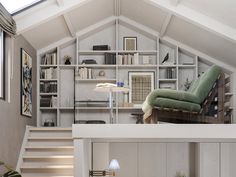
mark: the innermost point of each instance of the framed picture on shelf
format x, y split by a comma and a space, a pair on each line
130, 43
141, 83
26, 84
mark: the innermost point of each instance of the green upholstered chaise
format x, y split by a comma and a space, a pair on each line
174, 104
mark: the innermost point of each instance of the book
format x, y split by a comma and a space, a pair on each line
146, 60
119, 59
110, 58
135, 59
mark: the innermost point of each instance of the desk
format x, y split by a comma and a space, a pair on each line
110, 90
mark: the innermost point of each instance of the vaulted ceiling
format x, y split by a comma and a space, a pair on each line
208, 26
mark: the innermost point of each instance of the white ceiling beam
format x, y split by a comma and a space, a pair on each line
197, 19
96, 27
50, 11
117, 7
60, 2
139, 26
176, 2
69, 25
165, 24
67, 20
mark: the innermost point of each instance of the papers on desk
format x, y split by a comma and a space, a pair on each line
106, 85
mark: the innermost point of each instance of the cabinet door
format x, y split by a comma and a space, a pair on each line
100, 156
180, 159
127, 156
152, 160
228, 159
209, 160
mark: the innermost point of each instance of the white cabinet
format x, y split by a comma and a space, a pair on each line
228, 159
152, 161
127, 156
146, 159
209, 160
180, 159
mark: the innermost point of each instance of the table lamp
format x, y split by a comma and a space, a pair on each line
113, 166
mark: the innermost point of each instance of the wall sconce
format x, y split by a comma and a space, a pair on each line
113, 166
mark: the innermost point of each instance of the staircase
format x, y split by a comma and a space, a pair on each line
47, 152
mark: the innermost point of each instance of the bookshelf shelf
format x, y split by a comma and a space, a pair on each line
66, 108
186, 66
48, 80
48, 66
48, 108
95, 52
167, 80
93, 108
137, 66
167, 66
144, 52
67, 66
95, 80
97, 66
48, 94
129, 108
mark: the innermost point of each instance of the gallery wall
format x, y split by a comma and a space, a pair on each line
12, 124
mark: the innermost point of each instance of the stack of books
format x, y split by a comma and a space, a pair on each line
170, 73
48, 101
49, 59
110, 58
128, 59
49, 87
86, 73
49, 73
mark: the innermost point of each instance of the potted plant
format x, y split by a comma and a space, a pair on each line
10, 172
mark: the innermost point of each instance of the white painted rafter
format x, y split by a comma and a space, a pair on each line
60, 2
69, 25
196, 18
176, 2
45, 14
165, 24
67, 20
98, 26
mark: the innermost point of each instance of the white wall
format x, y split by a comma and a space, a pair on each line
12, 124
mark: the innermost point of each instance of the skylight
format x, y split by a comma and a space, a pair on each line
14, 6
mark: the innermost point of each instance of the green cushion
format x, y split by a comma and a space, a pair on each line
176, 104
204, 84
172, 94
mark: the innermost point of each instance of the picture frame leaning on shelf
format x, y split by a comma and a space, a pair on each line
141, 83
129, 43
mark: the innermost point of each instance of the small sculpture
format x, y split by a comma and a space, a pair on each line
166, 58
67, 59
187, 84
101, 73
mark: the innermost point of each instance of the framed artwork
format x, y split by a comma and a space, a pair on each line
141, 84
26, 84
130, 43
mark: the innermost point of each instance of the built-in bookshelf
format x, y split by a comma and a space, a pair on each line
63, 84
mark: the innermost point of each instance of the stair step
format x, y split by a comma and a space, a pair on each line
45, 175
48, 147
51, 138
49, 157
46, 167
49, 129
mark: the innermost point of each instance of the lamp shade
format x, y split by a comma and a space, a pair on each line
114, 165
